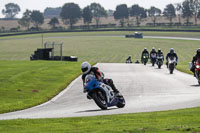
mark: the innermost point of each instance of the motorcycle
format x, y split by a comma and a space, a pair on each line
128, 61
171, 64
145, 58
197, 70
102, 94
153, 58
160, 61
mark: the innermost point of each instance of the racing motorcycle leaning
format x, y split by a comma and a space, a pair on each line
171, 64
101, 93
197, 70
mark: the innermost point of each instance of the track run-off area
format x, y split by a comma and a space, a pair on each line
145, 88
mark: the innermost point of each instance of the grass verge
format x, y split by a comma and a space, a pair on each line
179, 121
24, 84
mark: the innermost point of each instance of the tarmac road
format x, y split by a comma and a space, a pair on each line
145, 89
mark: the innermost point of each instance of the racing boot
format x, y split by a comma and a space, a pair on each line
116, 91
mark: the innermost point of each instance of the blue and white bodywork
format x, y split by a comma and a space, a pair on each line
101, 93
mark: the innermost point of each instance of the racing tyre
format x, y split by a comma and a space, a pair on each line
171, 71
171, 68
100, 99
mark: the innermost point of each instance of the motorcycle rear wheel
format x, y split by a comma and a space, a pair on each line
100, 99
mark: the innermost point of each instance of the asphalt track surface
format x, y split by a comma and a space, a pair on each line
145, 88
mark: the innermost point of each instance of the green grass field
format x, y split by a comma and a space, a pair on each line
24, 84
97, 46
32, 81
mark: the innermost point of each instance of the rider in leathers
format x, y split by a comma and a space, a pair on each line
88, 69
143, 52
160, 53
195, 58
129, 60
153, 51
171, 54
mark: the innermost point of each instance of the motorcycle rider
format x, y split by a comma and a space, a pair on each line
160, 53
88, 69
145, 51
137, 62
129, 60
153, 51
195, 58
171, 54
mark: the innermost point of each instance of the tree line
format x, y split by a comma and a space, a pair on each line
71, 13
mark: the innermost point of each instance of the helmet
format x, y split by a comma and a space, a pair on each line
153, 49
145, 49
85, 67
159, 50
198, 51
171, 50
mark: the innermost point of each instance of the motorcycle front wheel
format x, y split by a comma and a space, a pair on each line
171, 68
171, 71
121, 103
100, 99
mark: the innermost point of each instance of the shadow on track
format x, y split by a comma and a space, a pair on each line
95, 110
197, 85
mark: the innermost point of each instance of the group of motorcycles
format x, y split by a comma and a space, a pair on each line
103, 95
158, 60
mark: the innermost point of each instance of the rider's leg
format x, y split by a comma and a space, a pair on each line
111, 84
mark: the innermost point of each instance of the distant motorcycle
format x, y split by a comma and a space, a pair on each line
197, 70
153, 58
160, 61
102, 94
145, 58
171, 64
129, 61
